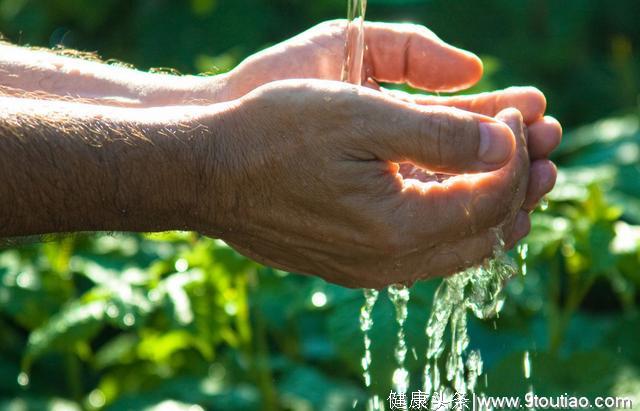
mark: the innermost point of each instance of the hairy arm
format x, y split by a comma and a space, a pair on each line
69, 74
75, 167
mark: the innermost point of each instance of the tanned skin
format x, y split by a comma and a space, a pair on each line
289, 166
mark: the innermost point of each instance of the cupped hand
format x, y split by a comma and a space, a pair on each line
544, 135
311, 184
408, 53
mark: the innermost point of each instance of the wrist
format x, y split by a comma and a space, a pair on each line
184, 161
212, 146
170, 90
190, 181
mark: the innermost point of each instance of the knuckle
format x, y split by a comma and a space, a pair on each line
451, 136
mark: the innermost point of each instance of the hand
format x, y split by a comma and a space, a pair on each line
396, 53
544, 135
311, 184
409, 53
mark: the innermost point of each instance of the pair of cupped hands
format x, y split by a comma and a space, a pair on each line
324, 182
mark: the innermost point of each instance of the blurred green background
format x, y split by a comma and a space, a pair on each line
177, 321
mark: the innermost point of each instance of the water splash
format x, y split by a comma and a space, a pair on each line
399, 296
477, 289
354, 43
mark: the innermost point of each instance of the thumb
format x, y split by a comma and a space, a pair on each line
441, 139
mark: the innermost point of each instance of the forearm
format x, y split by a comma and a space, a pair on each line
69, 167
44, 72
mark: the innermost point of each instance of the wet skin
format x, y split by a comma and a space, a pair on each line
298, 170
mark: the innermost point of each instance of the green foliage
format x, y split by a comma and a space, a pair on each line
172, 320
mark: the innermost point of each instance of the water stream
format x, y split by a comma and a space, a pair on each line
476, 290
354, 43
352, 73
449, 368
366, 322
399, 297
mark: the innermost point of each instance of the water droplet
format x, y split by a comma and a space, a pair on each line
400, 380
526, 365
544, 204
522, 251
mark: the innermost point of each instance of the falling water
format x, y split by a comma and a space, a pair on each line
354, 43
399, 296
526, 369
522, 251
366, 322
544, 204
526, 365
352, 73
476, 289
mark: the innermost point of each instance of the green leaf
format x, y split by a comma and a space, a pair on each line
552, 375
78, 322
307, 388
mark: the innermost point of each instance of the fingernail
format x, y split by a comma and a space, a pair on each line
495, 146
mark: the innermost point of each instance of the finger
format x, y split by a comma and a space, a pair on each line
412, 54
521, 228
529, 101
467, 204
542, 178
439, 139
544, 136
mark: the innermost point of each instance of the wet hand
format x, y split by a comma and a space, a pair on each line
544, 134
395, 53
411, 54
311, 184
